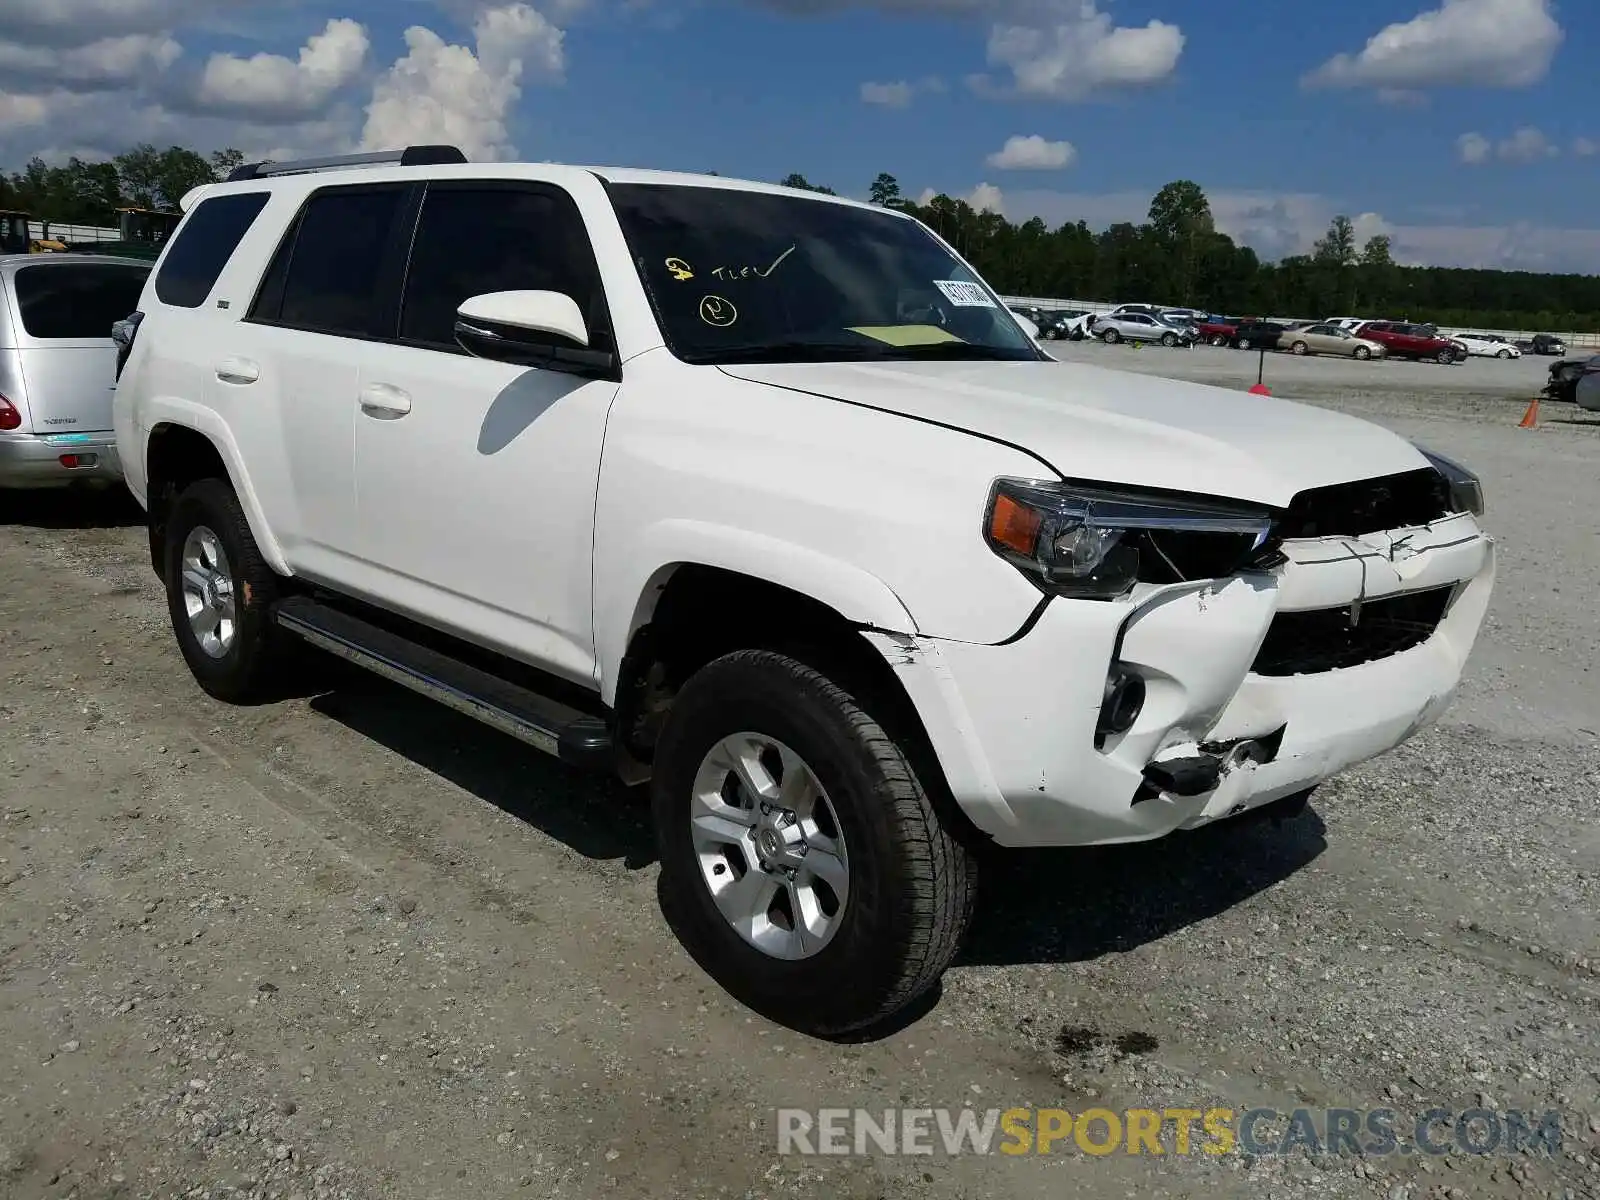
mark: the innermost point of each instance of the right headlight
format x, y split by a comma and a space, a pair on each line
1096, 543
1466, 492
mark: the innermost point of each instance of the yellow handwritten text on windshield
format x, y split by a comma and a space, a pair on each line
751, 272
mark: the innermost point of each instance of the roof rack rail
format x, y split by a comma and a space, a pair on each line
411, 156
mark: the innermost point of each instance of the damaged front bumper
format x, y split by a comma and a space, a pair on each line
1254, 688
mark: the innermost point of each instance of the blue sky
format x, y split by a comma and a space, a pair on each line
1466, 129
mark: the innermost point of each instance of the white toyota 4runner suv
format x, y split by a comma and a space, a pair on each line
765, 497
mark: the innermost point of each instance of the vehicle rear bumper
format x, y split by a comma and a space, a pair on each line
1014, 726
29, 460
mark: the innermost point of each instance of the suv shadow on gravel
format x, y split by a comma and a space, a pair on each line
598, 817
1075, 905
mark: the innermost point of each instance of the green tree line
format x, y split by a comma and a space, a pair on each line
89, 193
1176, 256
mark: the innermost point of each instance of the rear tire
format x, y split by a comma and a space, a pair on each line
909, 883
1218, 339
220, 594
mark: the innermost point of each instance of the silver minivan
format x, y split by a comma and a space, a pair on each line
58, 365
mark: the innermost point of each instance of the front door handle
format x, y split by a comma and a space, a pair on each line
385, 400
238, 370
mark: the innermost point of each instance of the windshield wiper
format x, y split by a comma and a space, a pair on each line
775, 352
959, 351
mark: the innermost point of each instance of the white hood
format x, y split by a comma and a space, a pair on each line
1091, 423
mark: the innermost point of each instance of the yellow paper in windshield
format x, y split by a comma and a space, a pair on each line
905, 335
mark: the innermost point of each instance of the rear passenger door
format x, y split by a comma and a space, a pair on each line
295, 366
475, 480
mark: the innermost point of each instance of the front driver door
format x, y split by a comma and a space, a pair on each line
475, 480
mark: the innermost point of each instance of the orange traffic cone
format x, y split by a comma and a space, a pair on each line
1530, 419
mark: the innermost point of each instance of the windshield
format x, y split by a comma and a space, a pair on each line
738, 276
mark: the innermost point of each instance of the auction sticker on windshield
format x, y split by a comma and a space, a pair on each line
963, 294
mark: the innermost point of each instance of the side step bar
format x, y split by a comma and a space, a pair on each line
574, 737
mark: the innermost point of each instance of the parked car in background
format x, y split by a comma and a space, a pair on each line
1218, 329
58, 365
1347, 323
1480, 345
1543, 343
1259, 335
1115, 327
1330, 339
1404, 340
1562, 384
1062, 323
1032, 312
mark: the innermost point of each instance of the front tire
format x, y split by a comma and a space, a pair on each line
1446, 357
1169, 340
220, 594
802, 861
1503, 354
1299, 348
1112, 337
1363, 353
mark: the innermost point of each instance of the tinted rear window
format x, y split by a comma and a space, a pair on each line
327, 275
77, 300
204, 245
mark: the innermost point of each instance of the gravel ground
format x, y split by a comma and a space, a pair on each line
351, 946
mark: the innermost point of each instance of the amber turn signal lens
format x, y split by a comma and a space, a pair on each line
1014, 525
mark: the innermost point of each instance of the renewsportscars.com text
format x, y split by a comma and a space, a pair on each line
1157, 1131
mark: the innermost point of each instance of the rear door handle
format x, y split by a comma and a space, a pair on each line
385, 400
238, 370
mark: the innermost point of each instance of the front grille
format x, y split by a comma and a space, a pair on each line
1323, 639
1367, 506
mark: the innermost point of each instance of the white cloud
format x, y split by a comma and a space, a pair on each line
1071, 50
1484, 43
273, 86
18, 112
1526, 145
1585, 147
76, 22
1473, 148
441, 92
900, 93
1053, 49
984, 198
104, 63
890, 95
987, 198
1033, 153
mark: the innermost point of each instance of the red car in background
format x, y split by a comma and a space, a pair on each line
1404, 340
1219, 330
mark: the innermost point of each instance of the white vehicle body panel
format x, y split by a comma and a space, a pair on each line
538, 514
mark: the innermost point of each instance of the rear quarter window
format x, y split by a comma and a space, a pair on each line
203, 246
77, 300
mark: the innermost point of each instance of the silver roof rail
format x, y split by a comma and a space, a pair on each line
411, 156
